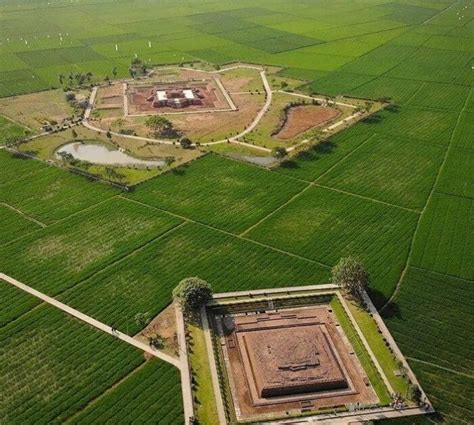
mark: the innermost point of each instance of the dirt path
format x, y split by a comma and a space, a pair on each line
447, 369
91, 321
234, 139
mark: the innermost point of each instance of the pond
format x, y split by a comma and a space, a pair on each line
102, 155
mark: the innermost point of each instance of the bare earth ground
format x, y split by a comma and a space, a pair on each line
33, 109
163, 325
244, 383
302, 118
138, 94
207, 127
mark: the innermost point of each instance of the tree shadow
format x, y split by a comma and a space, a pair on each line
380, 300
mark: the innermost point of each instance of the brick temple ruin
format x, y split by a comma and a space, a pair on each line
291, 359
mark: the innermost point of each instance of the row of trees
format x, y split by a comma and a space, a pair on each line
349, 273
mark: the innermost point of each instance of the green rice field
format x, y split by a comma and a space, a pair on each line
396, 189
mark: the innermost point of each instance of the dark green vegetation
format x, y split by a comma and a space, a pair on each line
10, 131
52, 366
219, 192
395, 190
149, 394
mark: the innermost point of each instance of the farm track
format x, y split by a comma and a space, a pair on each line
432, 191
441, 367
91, 321
39, 223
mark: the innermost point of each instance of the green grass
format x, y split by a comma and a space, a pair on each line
151, 391
325, 225
144, 281
361, 353
220, 192
53, 365
57, 257
206, 409
387, 361
10, 129
390, 169
443, 242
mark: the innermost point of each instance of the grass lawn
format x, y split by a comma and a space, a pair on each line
206, 409
361, 352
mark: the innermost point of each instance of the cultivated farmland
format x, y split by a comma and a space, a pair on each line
395, 190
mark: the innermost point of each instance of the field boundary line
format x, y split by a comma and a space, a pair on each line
344, 157
60, 220
90, 320
441, 274
428, 200
208, 226
24, 215
447, 369
377, 201
106, 267
105, 392
275, 210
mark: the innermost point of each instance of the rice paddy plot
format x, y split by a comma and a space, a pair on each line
220, 192
464, 134
429, 64
424, 125
150, 392
444, 240
325, 225
451, 393
53, 194
390, 169
15, 302
379, 61
399, 91
457, 177
13, 225
59, 256
449, 97
312, 163
144, 281
10, 130
428, 319
52, 366
338, 83
13, 167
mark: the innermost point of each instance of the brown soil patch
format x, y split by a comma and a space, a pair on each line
290, 361
163, 325
304, 117
204, 127
209, 96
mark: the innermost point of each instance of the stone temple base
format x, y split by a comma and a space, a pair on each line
289, 360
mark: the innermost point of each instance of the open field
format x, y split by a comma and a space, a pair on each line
112, 257
324, 225
151, 391
231, 197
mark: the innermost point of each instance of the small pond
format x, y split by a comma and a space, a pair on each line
101, 155
264, 161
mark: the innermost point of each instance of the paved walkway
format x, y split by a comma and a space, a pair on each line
184, 366
91, 321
